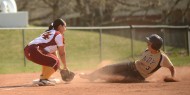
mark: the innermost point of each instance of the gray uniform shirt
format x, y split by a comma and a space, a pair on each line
148, 62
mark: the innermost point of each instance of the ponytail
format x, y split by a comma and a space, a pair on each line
55, 24
50, 26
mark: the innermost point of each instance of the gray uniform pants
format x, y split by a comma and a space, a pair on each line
127, 70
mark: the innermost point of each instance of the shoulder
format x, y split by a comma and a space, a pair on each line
146, 51
164, 55
166, 59
54, 32
57, 33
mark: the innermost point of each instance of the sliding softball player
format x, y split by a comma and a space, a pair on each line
150, 61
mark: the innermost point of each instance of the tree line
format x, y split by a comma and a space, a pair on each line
103, 12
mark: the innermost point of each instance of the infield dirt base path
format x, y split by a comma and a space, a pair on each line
20, 84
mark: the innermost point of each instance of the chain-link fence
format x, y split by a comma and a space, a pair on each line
94, 44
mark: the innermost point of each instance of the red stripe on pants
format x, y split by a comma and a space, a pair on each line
34, 54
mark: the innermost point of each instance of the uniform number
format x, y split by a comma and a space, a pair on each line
46, 35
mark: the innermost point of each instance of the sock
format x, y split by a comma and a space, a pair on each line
46, 72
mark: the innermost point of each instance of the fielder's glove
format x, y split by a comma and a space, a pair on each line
67, 75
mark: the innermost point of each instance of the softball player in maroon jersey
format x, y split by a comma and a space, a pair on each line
150, 61
42, 50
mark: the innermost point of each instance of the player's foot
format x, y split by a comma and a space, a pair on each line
86, 76
54, 80
44, 82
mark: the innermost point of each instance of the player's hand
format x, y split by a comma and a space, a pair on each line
170, 79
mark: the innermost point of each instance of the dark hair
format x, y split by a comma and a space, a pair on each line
156, 41
56, 23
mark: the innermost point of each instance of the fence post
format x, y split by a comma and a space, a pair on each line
23, 44
188, 41
132, 38
163, 36
100, 44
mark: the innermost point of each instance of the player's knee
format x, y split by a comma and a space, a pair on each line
56, 65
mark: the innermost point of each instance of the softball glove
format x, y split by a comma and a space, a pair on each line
67, 75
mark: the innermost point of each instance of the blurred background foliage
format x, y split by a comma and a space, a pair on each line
107, 12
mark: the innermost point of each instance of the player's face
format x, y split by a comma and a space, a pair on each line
62, 28
149, 45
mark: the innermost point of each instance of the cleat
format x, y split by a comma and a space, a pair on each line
44, 82
54, 80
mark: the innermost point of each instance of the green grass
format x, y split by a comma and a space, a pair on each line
180, 60
18, 68
82, 49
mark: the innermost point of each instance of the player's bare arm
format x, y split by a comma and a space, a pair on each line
62, 55
172, 70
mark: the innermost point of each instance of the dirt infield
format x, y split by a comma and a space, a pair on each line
20, 84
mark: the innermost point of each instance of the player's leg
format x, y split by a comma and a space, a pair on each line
46, 72
48, 69
116, 72
120, 72
109, 72
49, 64
132, 74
